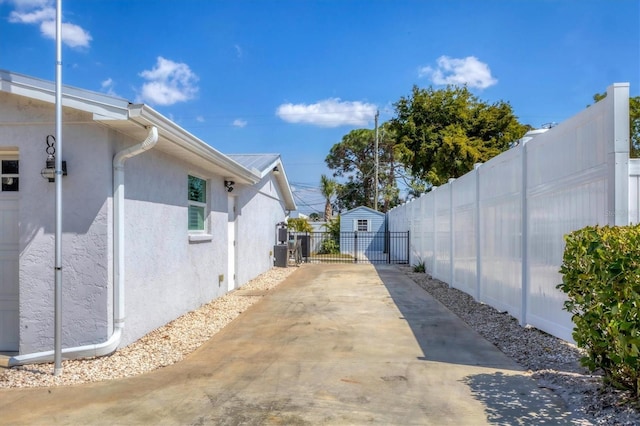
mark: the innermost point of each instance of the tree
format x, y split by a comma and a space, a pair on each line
328, 188
442, 133
354, 160
299, 224
314, 217
634, 122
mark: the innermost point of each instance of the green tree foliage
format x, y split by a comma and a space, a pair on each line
354, 160
299, 224
331, 244
442, 133
328, 188
634, 122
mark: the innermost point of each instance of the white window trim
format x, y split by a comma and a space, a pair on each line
199, 235
356, 227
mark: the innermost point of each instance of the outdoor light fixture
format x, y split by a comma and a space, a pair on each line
49, 171
276, 170
229, 185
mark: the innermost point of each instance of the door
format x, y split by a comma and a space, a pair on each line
232, 230
9, 328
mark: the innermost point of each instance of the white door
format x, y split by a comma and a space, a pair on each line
232, 245
9, 328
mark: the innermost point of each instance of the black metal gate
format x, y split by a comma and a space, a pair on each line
353, 247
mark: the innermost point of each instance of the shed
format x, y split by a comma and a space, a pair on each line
362, 231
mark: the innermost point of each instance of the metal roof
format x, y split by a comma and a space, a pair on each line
263, 164
260, 162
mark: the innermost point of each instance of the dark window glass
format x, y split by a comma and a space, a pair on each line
197, 189
9, 167
9, 184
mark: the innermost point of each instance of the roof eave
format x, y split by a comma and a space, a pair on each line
146, 116
101, 105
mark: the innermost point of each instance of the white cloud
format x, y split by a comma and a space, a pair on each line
200, 119
72, 35
238, 50
239, 122
107, 87
330, 112
33, 17
469, 71
43, 13
168, 83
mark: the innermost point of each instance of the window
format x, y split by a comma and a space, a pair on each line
9, 175
197, 203
362, 225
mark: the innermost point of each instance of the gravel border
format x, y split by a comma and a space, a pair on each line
553, 362
162, 347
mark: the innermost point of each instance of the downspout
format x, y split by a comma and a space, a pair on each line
110, 345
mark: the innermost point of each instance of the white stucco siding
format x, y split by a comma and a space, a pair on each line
260, 208
86, 225
166, 274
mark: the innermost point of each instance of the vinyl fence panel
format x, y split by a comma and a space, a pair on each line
500, 194
497, 232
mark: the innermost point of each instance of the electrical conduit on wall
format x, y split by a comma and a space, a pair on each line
110, 345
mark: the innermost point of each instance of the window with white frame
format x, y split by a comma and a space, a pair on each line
9, 169
197, 204
362, 225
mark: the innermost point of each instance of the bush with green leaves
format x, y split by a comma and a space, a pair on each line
601, 277
329, 246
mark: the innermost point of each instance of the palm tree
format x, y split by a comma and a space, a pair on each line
328, 189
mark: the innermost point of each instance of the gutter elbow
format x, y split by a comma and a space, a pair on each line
149, 142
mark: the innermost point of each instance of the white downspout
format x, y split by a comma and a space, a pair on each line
110, 345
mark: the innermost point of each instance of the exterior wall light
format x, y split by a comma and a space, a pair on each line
49, 171
229, 185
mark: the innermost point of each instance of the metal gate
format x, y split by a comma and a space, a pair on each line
353, 247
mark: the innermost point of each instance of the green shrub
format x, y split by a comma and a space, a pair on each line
420, 266
601, 277
329, 246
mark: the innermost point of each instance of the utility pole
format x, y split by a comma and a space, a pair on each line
375, 200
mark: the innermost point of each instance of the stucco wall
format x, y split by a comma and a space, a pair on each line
259, 210
166, 275
86, 225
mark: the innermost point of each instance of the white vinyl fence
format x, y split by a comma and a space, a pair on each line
497, 232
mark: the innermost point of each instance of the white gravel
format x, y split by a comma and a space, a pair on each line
163, 346
551, 361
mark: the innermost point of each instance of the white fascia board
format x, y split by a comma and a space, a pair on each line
283, 182
103, 106
179, 136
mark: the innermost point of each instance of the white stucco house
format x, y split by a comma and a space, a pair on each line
155, 223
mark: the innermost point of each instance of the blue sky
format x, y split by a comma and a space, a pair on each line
293, 77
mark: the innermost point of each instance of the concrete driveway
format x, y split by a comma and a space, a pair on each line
333, 344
